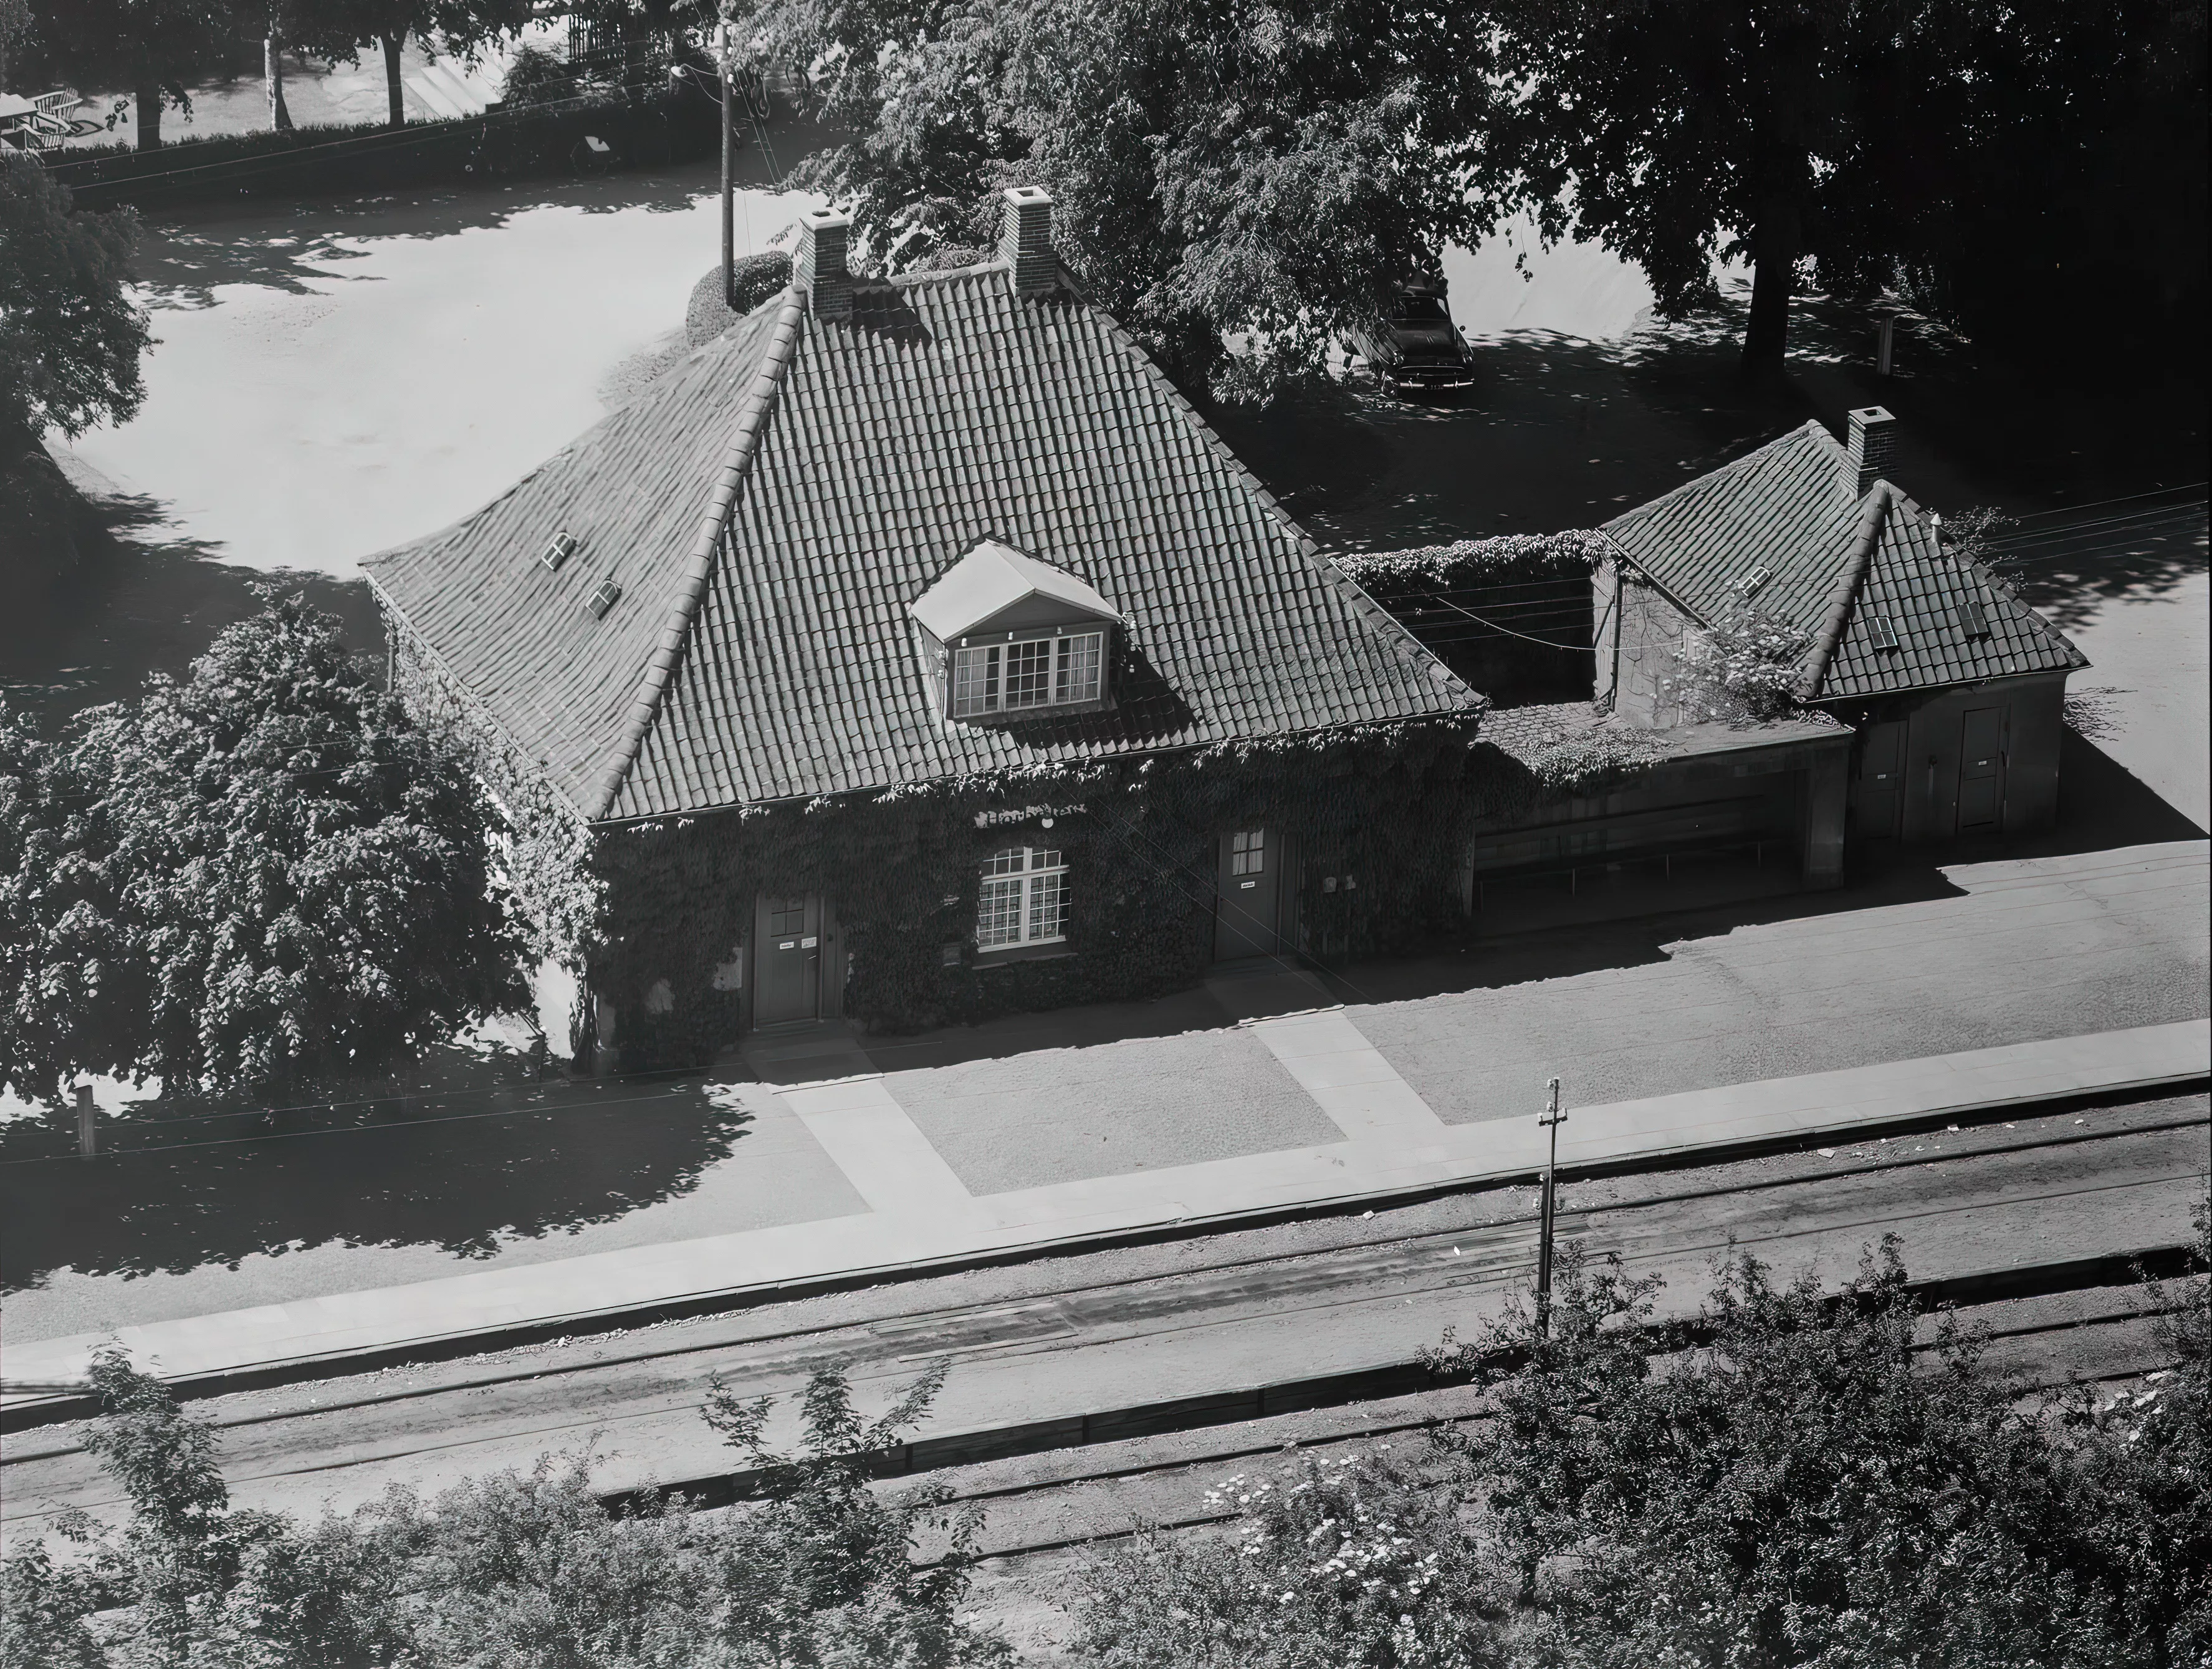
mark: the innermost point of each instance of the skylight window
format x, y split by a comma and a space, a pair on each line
1973, 619
604, 598
1883, 631
1749, 584
558, 550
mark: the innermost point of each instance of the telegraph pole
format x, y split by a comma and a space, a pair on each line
1551, 1120
729, 157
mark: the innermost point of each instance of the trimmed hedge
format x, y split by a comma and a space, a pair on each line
338, 161
754, 277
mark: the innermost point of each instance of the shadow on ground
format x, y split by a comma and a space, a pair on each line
1562, 432
2103, 806
139, 600
186, 253
467, 1173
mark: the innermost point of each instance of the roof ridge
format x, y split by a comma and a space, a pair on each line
676, 631
1855, 563
931, 274
1756, 454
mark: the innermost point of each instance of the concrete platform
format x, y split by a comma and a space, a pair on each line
921, 1216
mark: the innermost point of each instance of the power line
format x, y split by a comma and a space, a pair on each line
1571, 648
2198, 488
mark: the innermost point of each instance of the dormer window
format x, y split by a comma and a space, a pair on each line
1062, 670
1005, 636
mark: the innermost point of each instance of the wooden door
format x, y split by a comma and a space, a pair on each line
1878, 806
786, 958
1248, 887
1981, 770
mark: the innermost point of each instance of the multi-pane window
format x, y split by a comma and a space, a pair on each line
1037, 671
1024, 898
1248, 851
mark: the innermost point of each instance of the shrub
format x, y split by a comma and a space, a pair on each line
536, 76
1742, 669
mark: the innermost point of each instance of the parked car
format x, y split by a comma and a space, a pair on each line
1418, 346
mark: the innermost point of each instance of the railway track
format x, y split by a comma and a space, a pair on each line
1990, 1215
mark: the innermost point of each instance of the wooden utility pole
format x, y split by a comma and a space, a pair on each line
729, 161
1551, 1120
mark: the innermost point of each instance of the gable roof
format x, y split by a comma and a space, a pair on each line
772, 508
1838, 566
991, 579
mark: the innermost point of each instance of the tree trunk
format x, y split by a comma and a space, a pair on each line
146, 104
272, 66
1775, 247
391, 87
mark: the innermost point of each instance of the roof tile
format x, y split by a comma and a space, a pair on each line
949, 410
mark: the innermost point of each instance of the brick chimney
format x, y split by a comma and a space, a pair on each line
1025, 239
818, 269
1874, 437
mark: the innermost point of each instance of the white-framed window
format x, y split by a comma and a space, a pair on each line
1248, 851
1031, 673
1024, 898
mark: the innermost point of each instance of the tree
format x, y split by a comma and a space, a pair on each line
71, 343
156, 48
832, 1576
1219, 173
70, 338
272, 874
2048, 165
337, 29
1674, 133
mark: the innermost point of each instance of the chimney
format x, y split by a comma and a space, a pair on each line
818, 269
1025, 239
1873, 435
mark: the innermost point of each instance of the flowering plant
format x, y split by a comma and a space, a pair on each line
1742, 669
1330, 1561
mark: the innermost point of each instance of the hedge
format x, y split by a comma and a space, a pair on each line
500, 144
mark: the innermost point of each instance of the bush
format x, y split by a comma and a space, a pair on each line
520, 1570
753, 279
1742, 669
1332, 1563
536, 76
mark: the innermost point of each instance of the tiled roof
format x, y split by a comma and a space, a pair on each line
1531, 733
949, 409
1790, 508
522, 639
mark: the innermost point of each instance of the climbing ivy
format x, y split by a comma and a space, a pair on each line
1478, 604
648, 911
1379, 803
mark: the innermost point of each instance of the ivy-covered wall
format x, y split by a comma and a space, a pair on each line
1383, 804
649, 912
